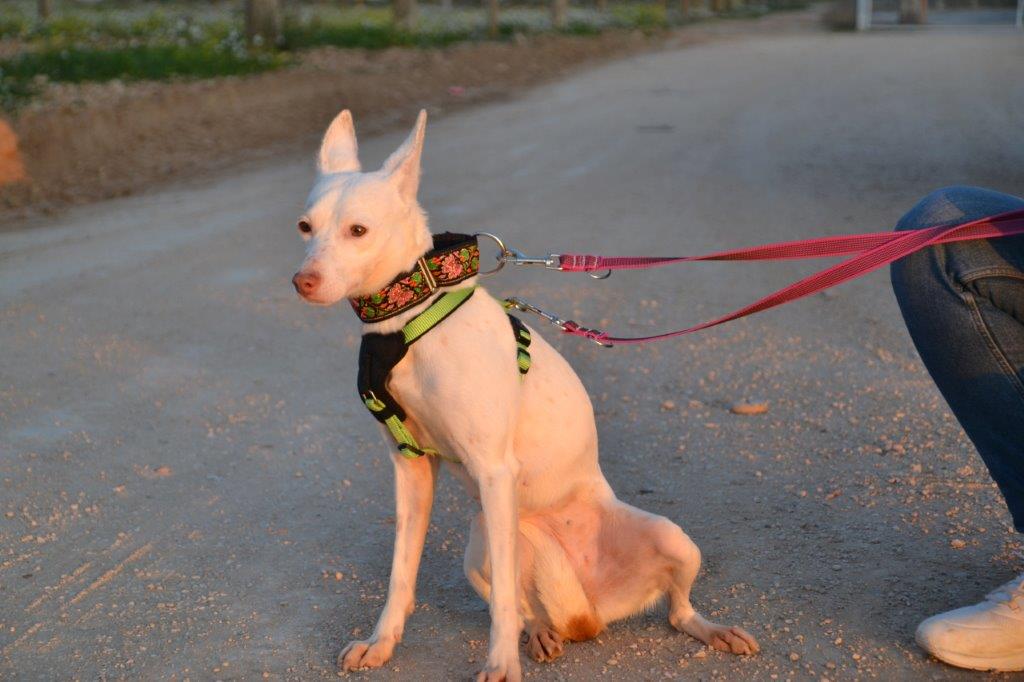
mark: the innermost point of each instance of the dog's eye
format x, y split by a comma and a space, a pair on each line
357, 230
305, 227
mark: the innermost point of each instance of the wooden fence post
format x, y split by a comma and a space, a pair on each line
492, 18
404, 14
559, 11
910, 12
263, 22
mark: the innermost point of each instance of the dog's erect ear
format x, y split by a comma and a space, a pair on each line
403, 166
339, 152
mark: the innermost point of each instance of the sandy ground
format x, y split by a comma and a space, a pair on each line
190, 489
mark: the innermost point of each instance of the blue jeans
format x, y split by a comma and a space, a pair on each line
964, 306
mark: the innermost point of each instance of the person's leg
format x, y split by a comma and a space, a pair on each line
964, 307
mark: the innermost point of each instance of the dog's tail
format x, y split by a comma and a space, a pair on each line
571, 613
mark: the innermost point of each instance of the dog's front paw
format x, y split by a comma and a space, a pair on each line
734, 640
368, 653
499, 670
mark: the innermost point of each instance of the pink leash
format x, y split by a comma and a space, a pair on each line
873, 251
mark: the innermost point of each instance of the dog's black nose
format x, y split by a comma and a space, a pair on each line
306, 283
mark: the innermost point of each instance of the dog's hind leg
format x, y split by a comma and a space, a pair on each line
644, 556
683, 557
562, 609
552, 601
540, 644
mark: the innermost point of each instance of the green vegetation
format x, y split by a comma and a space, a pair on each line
161, 39
644, 17
108, 43
141, 62
367, 34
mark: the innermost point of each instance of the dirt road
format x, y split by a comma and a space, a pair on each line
191, 490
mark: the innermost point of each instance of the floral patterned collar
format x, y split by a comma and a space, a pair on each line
454, 258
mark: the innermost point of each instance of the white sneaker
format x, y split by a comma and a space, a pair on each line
986, 636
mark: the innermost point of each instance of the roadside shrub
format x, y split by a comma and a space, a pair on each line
786, 4
581, 28
153, 23
65, 28
142, 62
14, 92
519, 20
644, 17
367, 35
508, 29
14, 25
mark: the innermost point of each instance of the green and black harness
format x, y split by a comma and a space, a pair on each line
454, 259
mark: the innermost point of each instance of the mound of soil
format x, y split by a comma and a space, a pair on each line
82, 143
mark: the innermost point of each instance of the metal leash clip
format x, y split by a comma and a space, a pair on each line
564, 325
521, 305
552, 261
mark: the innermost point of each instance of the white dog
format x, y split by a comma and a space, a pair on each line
552, 550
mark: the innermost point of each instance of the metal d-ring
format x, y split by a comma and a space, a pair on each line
605, 275
503, 256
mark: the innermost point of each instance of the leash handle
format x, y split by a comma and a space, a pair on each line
872, 251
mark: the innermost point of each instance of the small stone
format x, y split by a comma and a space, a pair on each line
794, 656
749, 407
668, 405
957, 543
